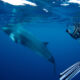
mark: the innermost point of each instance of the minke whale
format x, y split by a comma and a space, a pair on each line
24, 37
71, 72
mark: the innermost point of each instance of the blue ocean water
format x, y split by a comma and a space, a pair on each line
21, 63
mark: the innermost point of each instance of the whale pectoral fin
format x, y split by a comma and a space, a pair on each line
13, 37
70, 72
45, 43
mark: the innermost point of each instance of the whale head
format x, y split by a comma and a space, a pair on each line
7, 30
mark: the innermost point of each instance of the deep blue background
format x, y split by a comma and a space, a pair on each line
20, 63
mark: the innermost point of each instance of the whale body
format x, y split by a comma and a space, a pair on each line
24, 37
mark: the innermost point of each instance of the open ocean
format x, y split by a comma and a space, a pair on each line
18, 62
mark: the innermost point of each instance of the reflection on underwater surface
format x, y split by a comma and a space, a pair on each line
41, 13
48, 22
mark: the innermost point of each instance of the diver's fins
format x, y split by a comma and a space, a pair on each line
71, 72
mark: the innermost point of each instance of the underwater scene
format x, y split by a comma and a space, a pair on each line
39, 39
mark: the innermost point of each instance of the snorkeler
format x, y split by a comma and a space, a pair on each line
76, 32
71, 72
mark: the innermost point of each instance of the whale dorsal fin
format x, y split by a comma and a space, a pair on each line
45, 43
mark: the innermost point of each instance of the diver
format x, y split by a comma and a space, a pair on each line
76, 31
